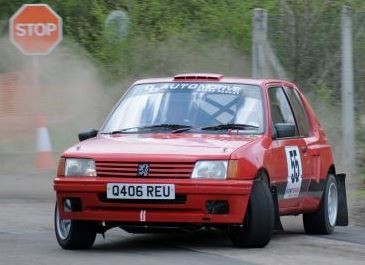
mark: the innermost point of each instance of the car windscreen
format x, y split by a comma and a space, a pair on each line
195, 104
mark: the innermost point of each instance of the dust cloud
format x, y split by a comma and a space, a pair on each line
66, 88
71, 93
181, 56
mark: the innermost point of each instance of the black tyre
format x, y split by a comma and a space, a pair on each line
73, 234
259, 220
323, 221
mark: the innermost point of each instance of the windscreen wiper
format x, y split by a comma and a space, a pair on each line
227, 126
172, 127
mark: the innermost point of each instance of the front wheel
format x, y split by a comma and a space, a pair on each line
258, 224
72, 234
323, 221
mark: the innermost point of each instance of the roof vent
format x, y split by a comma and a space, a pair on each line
200, 76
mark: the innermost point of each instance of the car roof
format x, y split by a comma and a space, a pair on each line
214, 78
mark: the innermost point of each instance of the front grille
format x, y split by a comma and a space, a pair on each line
179, 199
156, 169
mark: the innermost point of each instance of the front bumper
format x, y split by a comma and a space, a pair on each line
191, 207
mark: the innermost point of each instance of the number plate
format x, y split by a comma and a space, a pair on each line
141, 191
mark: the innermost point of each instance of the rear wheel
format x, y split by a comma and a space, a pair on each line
72, 234
323, 221
258, 224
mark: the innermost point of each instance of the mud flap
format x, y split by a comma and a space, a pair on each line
277, 225
342, 215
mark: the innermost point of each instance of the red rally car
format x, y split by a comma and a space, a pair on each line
201, 151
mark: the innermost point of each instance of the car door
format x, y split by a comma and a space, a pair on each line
311, 186
291, 165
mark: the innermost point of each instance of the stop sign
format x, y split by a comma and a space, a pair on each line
35, 29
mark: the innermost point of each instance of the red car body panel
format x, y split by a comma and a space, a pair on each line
192, 211
252, 153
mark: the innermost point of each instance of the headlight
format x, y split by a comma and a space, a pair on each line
80, 167
210, 170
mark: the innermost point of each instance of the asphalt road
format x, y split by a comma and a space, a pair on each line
26, 237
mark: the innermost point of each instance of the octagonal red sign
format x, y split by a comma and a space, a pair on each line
35, 29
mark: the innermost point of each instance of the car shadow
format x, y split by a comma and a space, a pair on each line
116, 239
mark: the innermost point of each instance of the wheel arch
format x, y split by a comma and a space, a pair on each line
263, 173
274, 194
332, 170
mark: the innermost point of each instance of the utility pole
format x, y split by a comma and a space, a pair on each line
347, 86
265, 63
259, 39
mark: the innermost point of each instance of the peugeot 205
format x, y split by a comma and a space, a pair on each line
201, 151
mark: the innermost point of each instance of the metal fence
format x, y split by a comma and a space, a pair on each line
310, 50
324, 53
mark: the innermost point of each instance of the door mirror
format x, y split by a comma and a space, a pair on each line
87, 134
284, 130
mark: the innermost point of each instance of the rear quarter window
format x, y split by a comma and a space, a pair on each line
299, 111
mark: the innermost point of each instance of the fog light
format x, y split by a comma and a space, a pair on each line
72, 205
67, 206
217, 207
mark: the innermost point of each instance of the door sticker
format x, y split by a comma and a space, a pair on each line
294, 163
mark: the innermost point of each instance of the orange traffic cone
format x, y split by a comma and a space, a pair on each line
44, 149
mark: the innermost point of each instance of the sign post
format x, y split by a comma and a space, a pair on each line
35, 29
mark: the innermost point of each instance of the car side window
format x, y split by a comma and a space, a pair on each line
299, 111
281, 111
